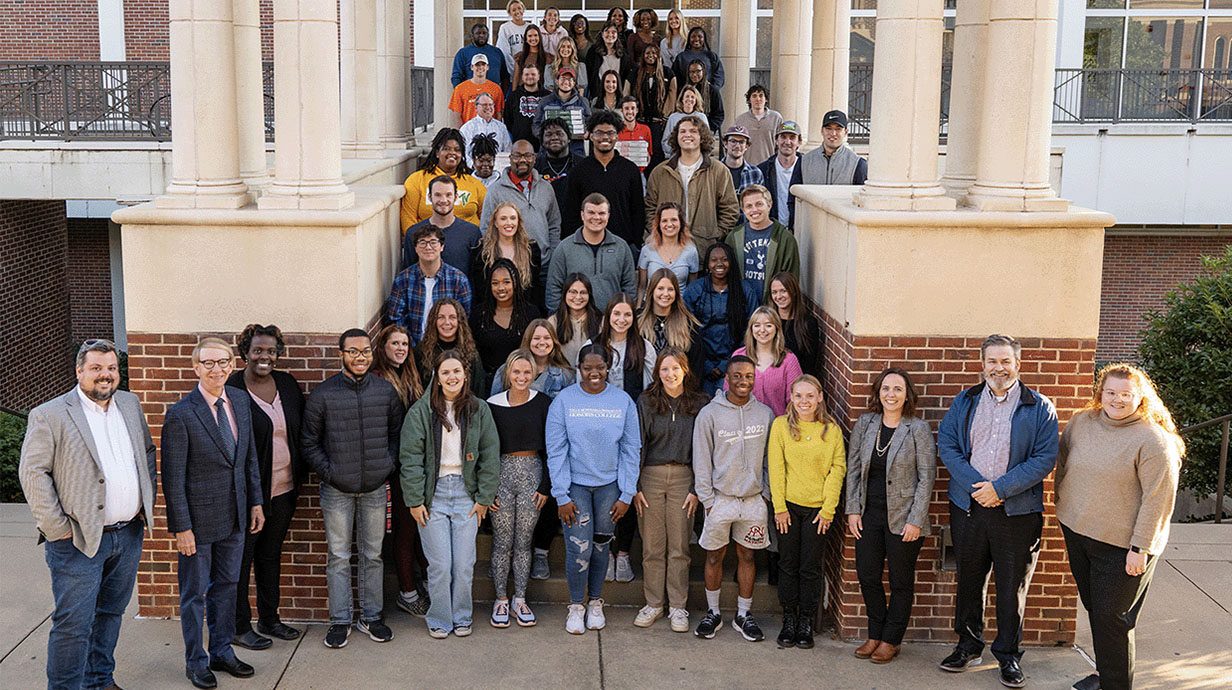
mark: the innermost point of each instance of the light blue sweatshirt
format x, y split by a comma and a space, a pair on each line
593, 440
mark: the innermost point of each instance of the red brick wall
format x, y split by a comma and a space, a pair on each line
146, 32
1139, 269
49, 29
88, 272
36, 359
941, 367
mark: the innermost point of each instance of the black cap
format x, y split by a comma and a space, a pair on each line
837, 117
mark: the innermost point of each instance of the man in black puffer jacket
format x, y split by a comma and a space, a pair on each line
350, 439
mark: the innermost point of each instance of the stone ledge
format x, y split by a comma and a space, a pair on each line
369, 201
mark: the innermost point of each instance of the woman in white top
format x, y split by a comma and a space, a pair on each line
509, 36
552, 30
669, 246
674, 42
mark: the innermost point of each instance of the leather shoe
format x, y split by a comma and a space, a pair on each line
959, 660
279, 630
1011, 674
235, 667
202, 678
866, 650
251, 640
885, 653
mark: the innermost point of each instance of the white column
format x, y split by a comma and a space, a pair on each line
792, 60
448, 17
735, 34
906, 103
307, 146
1016, 122
362, 111
205, 166
966, 96
831, 61
250, 94
393, 71
111, 33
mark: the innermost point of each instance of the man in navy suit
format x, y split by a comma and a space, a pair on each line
213, 491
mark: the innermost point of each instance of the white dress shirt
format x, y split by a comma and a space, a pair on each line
116, 456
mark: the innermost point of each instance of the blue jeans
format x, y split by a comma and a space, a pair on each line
365, 514
91, 595
449, 544
588, 541
208, 586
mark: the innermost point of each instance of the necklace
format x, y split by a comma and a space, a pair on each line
880, 449
552, 168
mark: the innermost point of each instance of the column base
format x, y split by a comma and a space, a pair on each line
906, 198
366, 149
279, 196
395, 142
957, 187
229, 196
989, 198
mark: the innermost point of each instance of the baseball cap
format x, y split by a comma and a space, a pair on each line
566, 70
737, 131
835, 117
479, 57
789, 127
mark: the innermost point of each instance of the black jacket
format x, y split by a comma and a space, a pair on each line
772, 184
520, 107
621, 183
292, 400
351, 431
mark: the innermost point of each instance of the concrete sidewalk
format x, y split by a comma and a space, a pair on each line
1183, 642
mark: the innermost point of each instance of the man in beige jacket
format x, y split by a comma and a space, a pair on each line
699, 183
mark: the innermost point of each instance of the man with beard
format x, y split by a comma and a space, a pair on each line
607, 172
499, 69
556, 162
781, 171
352, 424
87, 471
999, 441
533, 196
522, 104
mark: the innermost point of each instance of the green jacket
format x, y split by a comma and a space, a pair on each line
420, 452
783, 253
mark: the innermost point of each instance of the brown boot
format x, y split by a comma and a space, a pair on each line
885, 653
866, 650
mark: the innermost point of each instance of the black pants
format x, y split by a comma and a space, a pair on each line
877, 545
626, 527
548, 525
1113, 599
800, 562
263, 554
986, 539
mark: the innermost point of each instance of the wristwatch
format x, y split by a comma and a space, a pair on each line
1135, 549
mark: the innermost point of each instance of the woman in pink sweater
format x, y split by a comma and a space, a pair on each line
777, 367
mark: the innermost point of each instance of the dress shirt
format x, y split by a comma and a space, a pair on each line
122, 497
990, 432
212, 400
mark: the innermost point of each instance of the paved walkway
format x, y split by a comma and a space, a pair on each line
1183, 642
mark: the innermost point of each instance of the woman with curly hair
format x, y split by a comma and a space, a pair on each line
1116, 479
448, 329
447, 157
654, 87
722, 303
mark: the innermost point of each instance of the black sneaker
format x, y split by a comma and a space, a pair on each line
337, 635
959, 660
708, 625
748, 628
1011, 674
377, 630
1091, 682
787, 636
804, 631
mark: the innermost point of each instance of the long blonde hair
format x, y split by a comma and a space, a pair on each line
823, 415
1151, 409
489, 246
778, 346
556, 59
667, 26
679, 324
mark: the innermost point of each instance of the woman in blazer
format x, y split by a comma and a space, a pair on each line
891, 466
277, 410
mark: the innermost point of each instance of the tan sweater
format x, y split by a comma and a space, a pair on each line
1116, 480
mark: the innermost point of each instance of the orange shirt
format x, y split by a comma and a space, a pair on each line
463, 99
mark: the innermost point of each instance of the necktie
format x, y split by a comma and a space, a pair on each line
224, 430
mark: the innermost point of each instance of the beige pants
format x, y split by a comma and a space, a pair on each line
665, 534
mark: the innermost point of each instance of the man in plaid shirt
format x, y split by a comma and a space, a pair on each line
735, 144
423, 283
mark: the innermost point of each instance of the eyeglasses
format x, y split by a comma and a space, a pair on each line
210, 364
604, 133
522, 156
428, 244
365, 353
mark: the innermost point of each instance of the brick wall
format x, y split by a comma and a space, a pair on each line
88, 272
49, 29
941, 367
36, 359
1139, 269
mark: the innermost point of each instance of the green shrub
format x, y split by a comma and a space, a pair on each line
1187, 349
12, 431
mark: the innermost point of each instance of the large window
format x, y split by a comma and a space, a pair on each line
1157, 34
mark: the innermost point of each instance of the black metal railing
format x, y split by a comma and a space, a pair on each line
1224, 422
1142, 95
422, 99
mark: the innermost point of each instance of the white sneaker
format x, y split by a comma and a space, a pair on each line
611, 570
594, 615
575, 624
624, 568
647, 616
679, 619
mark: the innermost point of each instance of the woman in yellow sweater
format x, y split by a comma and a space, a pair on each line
446, 158
807, 466
1117, 471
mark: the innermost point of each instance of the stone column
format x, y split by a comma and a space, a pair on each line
1016, 118
393, 71
205, 157
831, 61
448, 15
735, 29
906, 103
250, 94
789, 75
362, 111
966, 97
307, 146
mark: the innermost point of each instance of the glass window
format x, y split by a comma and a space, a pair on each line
862, 32
474, 4
686, 5
1221, 5
1103, 42
1166, 4
1163, 42
764, 39
863, 4
1105, 4
1218, 37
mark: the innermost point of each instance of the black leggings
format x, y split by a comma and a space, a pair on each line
800, 562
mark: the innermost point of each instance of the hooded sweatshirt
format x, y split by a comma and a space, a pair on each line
593, 439
729, 449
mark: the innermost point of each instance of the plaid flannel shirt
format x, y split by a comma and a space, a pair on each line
405, 306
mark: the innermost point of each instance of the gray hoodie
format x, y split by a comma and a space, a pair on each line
729, 449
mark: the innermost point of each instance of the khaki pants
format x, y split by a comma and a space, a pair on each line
665, 534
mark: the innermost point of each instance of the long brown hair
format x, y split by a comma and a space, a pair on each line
463, 342
635, 346
874, 400
557, 358
404, 377
1151, 409
564, 322
489, 246
797, 313
679, 324
692, 399
823, 415
655, 239
464, 405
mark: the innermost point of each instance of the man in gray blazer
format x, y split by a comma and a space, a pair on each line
212, 486
87, 470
